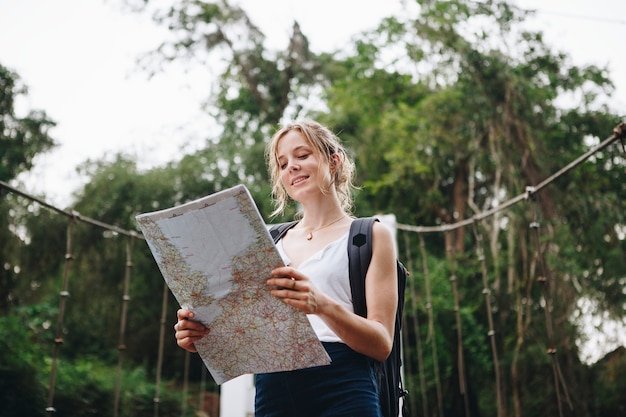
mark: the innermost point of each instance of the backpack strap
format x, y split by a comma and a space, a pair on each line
388, 371
360, 255
277, 231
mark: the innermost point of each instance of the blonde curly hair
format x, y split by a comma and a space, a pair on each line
325, 144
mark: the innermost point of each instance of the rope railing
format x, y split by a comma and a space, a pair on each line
73, 214
413, 296
431, 327
619, 133
159, 370
121, 348
64, 294
462, 377
480, 254
545, 279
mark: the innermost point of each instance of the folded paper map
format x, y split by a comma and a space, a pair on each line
215, 254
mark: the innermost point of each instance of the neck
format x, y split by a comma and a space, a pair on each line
309, 235
315, 219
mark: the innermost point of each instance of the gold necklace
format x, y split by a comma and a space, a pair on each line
309, 236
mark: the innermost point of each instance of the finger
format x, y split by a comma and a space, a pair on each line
287, 272
193, 327
195, 335
188, 344
288, 294
184, 313
187, 339
281, 283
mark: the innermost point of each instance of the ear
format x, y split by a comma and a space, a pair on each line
335, 162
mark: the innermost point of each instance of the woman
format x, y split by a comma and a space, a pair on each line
308, 164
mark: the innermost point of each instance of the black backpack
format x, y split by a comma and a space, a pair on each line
360, 255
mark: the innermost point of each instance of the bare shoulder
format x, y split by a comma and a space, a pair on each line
383, 247
381, 235
382, 271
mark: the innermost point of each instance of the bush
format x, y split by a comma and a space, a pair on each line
84, 387
609, 384
21, 393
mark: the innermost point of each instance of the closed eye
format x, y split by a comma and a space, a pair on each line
304, 156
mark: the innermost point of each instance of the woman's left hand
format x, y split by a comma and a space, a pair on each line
295, 289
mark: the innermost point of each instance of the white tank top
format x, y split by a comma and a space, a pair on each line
328, 270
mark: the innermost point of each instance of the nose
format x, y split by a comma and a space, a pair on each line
293, 166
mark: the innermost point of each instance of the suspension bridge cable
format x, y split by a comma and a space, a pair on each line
163, 321
492, 333
459, 327
545, 280
64, 294
619, 133
431, 326
121, 347
417, 332
73, 214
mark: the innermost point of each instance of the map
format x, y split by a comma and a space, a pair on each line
215, 254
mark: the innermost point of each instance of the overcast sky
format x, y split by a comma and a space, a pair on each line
78, 58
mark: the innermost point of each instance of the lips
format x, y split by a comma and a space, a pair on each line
298, 180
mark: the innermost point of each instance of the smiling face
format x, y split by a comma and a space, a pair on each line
313, 153
301, 168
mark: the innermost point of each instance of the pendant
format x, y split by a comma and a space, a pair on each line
309, 236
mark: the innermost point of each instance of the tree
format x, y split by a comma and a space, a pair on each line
462, 118
257, 86
21, 139
461, 121
472, 131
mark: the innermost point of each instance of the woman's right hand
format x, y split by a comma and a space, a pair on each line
188, 331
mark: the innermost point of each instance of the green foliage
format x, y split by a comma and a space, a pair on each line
86, 387
78, 392
608, 385
83, 387
21, 138
454, 123
21, 392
